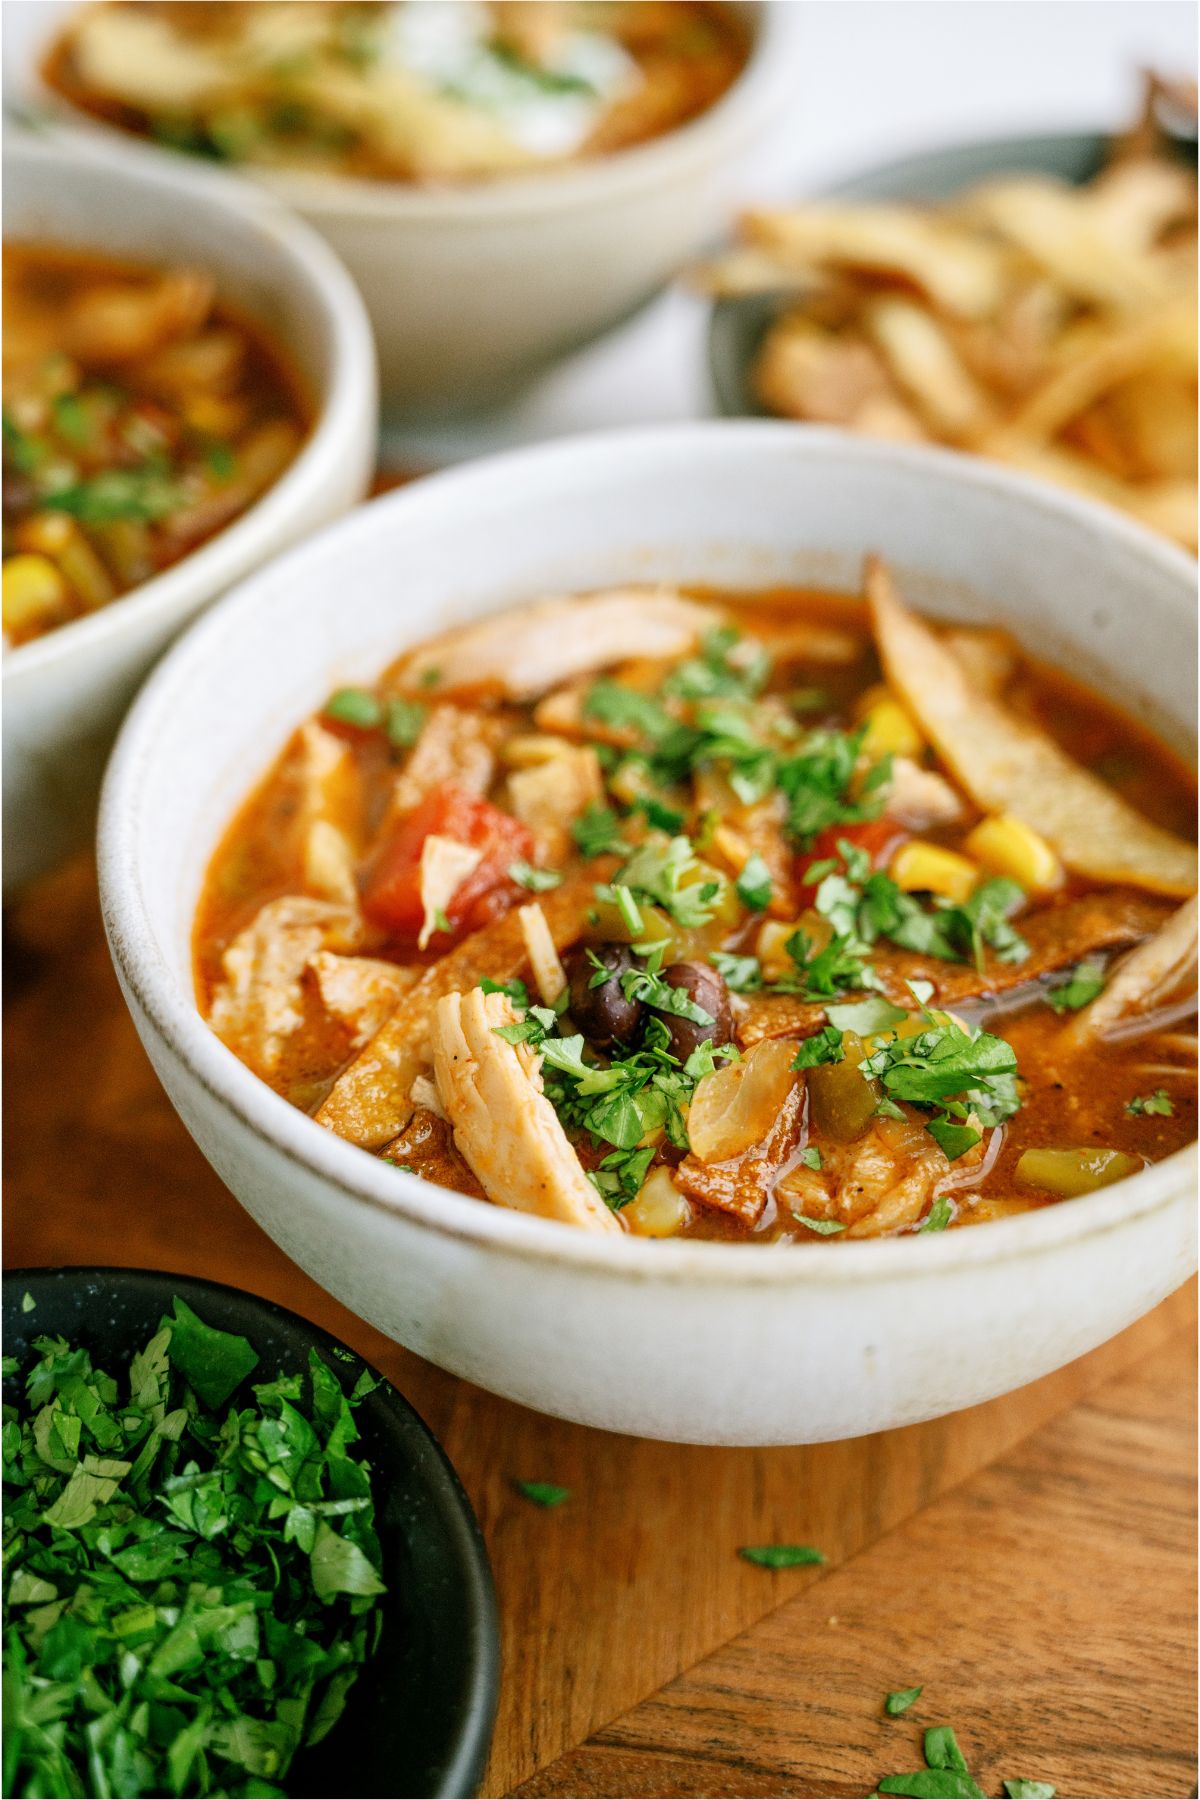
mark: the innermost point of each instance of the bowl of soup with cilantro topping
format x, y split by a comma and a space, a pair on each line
504, 181
188, 385
745, 920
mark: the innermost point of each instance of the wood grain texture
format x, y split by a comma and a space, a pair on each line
1033, 1602
636, 1578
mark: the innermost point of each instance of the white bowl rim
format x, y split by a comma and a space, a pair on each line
360, 1177
336, 411
763, 84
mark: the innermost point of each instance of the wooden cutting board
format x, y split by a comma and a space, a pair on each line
1030, 1562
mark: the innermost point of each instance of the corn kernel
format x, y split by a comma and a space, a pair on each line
659, 1210
891, 730
928, 869
529, 749
1008, 846
731, 847
33, 590
771, 947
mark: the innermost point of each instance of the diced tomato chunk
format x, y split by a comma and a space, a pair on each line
878, 837
392, 891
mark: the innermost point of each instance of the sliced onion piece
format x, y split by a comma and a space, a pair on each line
734, 1108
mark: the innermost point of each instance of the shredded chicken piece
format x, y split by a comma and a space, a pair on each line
454, 746
525, 652
370, 1100
505, 1130
260, 1003
1056, 935
1159, 971
358, 991
921, 798
552, 794
876, 1187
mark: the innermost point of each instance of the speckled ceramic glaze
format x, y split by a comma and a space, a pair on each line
711, 1343
64, 694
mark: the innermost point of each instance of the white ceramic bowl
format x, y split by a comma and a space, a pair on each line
64, 694
472, 290
703, 1342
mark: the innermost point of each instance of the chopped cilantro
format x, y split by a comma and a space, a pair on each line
656, 874
866, 1017
538, 881
355, 706
942, 1210
824, 1046
221, 461
621, 1174
822, 1227
1029, 1790
1083, 983
516, 990
729, 667
932, 1784
781, 1556
626, 709
900, 1700
754, 884
598, 832
741, 974
817, 779
175, 1558
942, 1751
811, 1158
542, 1493
145, 493
403, 722
1157, 1105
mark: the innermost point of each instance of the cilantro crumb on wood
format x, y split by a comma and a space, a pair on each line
193, 1573
542, 1493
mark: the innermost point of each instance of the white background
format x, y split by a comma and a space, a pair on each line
874, 79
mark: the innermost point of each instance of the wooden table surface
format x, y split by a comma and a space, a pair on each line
1030, 1562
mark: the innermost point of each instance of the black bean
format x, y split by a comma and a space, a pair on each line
602, 1013
707, 989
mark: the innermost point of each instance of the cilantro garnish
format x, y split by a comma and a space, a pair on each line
626, 709
538, 881
403, 722
781, 1556
900, 1700
355, 706
516, 990
741, 974
1029, 1790
754, 884
822, 1227
542, 1493
817, 781
654, 874
966, 1075
192, 1584
811, 1158
942, 1210
824, 1046
719, 672
1157, 1105
1083, 983
146, 493
598, 831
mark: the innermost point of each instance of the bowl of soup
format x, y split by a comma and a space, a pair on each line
188, 387
503, 181
654, 962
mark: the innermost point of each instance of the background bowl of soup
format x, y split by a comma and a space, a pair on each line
66, 688
476, 282
697, 1341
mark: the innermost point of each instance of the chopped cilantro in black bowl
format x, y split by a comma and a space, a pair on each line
416, 1719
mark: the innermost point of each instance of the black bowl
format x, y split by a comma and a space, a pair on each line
419, 1719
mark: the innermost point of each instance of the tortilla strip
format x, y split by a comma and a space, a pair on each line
1007, 764
371, 1099
742, 1186
1057, 936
